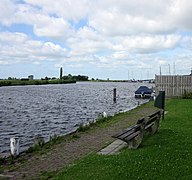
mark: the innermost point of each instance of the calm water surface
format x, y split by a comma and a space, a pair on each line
47, 110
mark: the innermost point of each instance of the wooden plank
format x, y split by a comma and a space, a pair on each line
152, 119
128, 133
132, 136
125, 131
149, 125
154, 114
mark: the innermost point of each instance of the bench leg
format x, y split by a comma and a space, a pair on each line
153, 129
136, 141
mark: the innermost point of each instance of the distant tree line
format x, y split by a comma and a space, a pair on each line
76, 78
34, 82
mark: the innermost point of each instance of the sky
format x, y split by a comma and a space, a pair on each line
124, 39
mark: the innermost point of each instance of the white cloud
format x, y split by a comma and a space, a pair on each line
120, 55
43, 24
75, 65
53, 49
87, 41
71, 10
52, 27
12, 38
4, 62
147, 44
180, 12
7, 11
102, 33
17, 47
132, 17
107, 17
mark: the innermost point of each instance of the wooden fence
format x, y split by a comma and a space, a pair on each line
174, 86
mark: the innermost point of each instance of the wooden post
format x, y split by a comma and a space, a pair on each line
114, 95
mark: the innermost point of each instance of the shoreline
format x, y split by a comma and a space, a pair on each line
4, 83
7, 154
56, 113
63, 151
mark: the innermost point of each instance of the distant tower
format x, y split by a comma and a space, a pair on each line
61, 73
191, 72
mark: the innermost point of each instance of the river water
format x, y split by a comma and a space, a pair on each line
47, 110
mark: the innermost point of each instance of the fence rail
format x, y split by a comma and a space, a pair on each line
174, 86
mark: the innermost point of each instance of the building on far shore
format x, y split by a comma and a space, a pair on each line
30, 77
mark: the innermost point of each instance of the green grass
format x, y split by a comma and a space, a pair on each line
165, 155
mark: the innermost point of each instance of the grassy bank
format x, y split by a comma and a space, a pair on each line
33, 82
165, 155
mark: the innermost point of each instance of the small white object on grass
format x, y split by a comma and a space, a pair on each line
14, 146
104, 114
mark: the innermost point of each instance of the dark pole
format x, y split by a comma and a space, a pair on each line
160, 102
114, 95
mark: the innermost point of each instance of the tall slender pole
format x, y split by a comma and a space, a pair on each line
114, 95
174, 69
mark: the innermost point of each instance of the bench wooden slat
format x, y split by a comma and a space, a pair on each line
149, 125
125, 131
154, 114
154, 118
123, 136
132, 136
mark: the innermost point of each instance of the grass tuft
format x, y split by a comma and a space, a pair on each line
187, 95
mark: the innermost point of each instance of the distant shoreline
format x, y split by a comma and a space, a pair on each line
129, 81
19, 82
33, 82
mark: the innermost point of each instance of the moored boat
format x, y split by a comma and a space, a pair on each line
143, 92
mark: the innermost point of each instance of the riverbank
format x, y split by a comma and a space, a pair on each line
67, 150
33, 82
28, 112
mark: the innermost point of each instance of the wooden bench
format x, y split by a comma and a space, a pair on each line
134, 134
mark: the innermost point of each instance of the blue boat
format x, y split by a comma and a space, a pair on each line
143, 92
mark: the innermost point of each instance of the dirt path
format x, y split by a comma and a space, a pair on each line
65, 153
